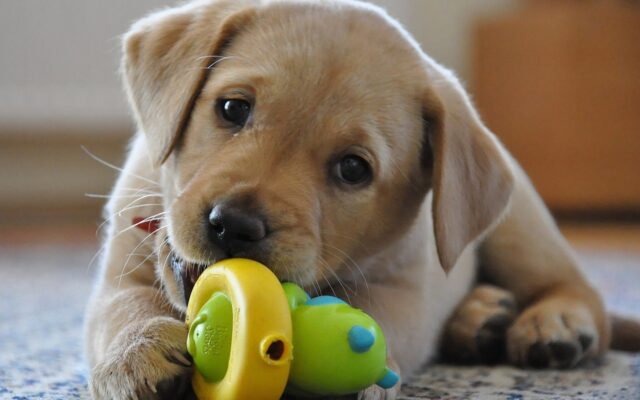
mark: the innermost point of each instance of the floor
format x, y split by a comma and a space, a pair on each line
47, 275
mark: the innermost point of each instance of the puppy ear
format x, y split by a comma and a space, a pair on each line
472, 181
166, 60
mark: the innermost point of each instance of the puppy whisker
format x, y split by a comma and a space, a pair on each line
327, 281
356, 241
146, 258
97, 254
119, 169
114, 196
158, 252
130, 255
158, 295
398, 169
133, 207
164, 263
350, 262
141, 222
145, 189
343, 285
287, 270
110, 218
107, 220
223, 58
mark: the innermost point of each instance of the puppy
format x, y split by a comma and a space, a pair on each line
318, 139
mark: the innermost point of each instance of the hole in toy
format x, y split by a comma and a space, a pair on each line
276, 350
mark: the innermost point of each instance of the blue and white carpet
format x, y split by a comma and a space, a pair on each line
44, 292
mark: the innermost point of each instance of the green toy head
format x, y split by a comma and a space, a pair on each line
338, 349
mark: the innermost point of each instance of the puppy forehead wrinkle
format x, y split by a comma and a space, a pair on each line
383, 153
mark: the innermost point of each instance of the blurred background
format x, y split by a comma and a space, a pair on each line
558, 81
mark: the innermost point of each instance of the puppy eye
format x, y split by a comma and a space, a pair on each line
353, 170
234, 111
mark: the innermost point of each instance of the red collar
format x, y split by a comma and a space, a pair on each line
149, 225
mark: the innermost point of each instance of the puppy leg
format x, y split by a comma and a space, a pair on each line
378, 393
476, 332
145, 358
375, 392
564, 321
135, 341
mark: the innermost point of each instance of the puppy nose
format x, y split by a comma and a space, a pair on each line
234, 228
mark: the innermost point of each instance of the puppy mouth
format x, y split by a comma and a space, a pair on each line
186, 274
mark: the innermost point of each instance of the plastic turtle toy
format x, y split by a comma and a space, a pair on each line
252, 337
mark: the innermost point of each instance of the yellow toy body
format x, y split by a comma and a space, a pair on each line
260, 336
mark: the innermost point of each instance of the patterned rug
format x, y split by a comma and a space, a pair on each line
44, 291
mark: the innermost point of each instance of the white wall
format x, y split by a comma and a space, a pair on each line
59, 58
59, 61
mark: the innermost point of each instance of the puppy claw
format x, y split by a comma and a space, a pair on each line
175, 388
558, 354
585, 341
151, 387
565, 353
508, 303
538, 355
490, 339
177, 357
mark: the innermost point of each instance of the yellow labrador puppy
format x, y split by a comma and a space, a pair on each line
319, 139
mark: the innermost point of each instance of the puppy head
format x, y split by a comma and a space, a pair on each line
305, 136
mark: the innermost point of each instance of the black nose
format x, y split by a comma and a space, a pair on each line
234, 228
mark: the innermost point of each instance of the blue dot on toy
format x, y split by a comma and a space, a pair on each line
324, 300
389, 379
360, 339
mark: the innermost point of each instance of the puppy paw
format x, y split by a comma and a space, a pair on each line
147, 363
375, 392
553, 334
476, 332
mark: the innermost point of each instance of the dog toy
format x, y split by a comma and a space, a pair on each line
251, 337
